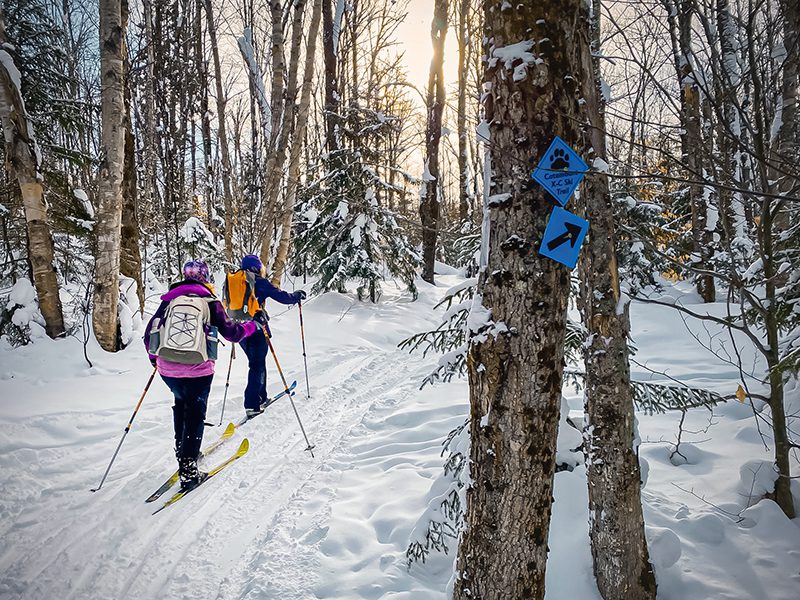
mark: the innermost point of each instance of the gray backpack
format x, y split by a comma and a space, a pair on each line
183, 335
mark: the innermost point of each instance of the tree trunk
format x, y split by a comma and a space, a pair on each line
293, 179
731, 209
429, 204
277, 158
783, 446
619, 548
464, 190
789, 133
205, 126
109, 189
222, 134
515, 365
130, 264
692, 146
331, 83
149, 152
22, 159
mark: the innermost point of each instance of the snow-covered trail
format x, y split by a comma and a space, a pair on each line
281, 525
69, 543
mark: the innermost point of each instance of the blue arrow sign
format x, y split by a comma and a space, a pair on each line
560, 171
563, 237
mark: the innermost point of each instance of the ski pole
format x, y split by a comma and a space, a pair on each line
227, 381
127, 429
303, 339
309, 447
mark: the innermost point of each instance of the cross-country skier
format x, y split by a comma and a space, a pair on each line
245, 293
181, 340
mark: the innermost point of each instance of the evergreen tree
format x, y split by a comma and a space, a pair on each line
346, 232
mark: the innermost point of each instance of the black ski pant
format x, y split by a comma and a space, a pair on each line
189, 412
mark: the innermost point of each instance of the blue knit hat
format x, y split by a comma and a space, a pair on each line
196, 270
252, 263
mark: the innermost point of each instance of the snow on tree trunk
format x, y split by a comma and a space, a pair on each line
257, 81
429, 193
293, 178
533, 72
619, 548
109, 190
23, 158
222, 133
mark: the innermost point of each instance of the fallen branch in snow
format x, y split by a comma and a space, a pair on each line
735, 517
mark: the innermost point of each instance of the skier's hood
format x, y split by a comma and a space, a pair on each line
186, 288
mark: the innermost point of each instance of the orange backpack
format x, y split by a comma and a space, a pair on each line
239, 297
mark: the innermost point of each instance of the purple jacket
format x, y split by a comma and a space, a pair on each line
230, 330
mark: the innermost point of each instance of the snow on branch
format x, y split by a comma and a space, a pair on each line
257, 79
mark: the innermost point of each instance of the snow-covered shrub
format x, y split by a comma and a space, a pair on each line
20, 319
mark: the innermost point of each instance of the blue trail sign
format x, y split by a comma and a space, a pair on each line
563, 237
560, 171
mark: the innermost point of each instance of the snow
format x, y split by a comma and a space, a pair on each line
281, 525
605, 90
194, 231
337, 24
83, 198
7, 62
22, 294
342, 209
600, 165
22, 300
519, 53
254, 69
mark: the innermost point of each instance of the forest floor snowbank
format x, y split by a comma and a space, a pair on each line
280, 525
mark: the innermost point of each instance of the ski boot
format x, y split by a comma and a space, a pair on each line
189, 474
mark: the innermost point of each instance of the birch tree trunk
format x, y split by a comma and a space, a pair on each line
293, 178
464, 190
429, 201
22, 159
789, 132
149, 153
222, 133
109, 190
619, 548
285, 108
730, 127
205, 126
130, 258
515, 365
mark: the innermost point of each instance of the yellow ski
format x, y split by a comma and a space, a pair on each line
243, 448
226, 435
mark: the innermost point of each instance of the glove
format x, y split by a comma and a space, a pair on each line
261, 318
300, 295
152, 360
